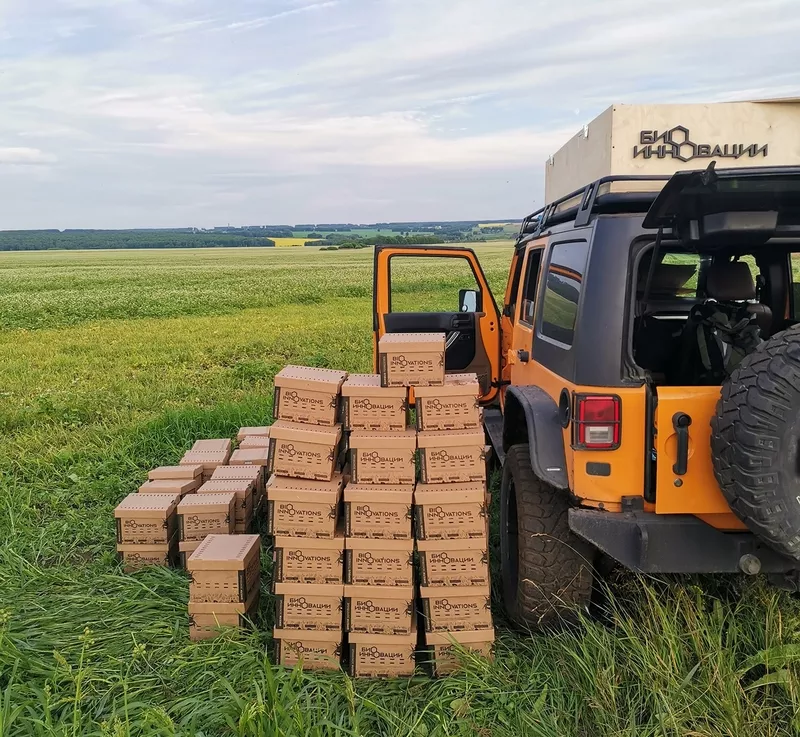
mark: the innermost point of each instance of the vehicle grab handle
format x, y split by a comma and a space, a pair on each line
681, 422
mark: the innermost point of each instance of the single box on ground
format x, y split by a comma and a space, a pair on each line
371, 562
411, 359
303, 508
225, 568
452, 406
382, 656
453, 608
378, 511
448, 648
444, 511
308, 395
310, 649
366, 405
456, 456
301, 606
308, 560
386, 610
200, 515
146, 519
383, 458
303, 451
210, 619
456, 562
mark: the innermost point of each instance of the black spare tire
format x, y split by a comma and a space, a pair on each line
755, 442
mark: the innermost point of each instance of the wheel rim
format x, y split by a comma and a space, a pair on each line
509, 536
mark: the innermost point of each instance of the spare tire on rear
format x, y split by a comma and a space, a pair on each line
755, 442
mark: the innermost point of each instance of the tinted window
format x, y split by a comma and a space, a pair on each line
563, 291
531, 282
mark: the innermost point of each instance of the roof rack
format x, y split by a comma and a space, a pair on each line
623, 193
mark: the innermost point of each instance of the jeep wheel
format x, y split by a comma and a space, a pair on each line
547, 570
755, 442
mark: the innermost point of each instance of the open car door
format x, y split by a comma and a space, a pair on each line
440, 289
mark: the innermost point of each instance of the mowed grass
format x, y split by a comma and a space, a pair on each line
114, 362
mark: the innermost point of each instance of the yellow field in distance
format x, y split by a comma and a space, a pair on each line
287, 242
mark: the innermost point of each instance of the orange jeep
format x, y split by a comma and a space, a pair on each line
641, 379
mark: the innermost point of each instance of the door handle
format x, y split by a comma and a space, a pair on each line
681, 422
524, 356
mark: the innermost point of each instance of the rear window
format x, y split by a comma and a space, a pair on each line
563, 291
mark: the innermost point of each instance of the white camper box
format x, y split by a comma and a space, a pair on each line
663, 139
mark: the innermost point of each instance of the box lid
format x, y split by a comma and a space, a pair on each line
176, 472
454, 385
223, 552
310, 378
421, 342
309, 589
217, 486
286, 488
193, 457
211, 446
294, 431
254, 441
370, 639
460, 636
147, 505
404, 439
453, 592
309, 543
447, 494
369, 385
307, 635
467, 543
236, 473
168, 486
188, 546
355, 591
260, 431
362, 543
249, 457
206, 502
452, 439
379, 494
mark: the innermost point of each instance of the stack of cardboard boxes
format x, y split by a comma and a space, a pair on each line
303, 500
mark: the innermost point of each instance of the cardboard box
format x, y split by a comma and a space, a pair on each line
383, 458
201, 515
181, 487
382, 656
452, 457
256, 474
379, 562
446, 649
310, 649
301, 606
446, 511
453, 608
185, 549
245, 498
257, 456
249, 432
307, 559
184, 473
210, 619
459, 562
366, 405
303, 508
308, 395
453, 406
136, 555
378, 511
146, 519
411, 359
254, 441
380, 610
217, 445
225, 568
303, 451
210, 460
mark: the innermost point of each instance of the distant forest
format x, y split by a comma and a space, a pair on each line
325, 235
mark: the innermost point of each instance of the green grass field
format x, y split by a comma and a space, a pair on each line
114, 362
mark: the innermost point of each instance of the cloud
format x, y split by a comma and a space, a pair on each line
174, 112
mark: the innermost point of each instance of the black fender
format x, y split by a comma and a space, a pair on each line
530, 414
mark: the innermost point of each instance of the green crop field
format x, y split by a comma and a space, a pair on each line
114, 362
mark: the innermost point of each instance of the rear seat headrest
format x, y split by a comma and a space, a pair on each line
730, 281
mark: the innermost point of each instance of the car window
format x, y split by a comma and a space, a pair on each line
563, 290
429, 283
531, 284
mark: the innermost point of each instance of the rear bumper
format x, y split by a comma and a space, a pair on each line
680, 543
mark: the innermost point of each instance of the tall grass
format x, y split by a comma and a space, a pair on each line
93, 393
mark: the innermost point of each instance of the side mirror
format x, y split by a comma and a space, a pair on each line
467, 300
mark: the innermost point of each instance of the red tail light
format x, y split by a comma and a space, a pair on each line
597, 421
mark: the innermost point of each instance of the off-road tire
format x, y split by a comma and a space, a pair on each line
755, 442
547, 571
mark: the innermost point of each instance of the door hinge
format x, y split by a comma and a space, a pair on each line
498, 384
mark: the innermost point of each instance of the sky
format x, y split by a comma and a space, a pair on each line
174, 113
